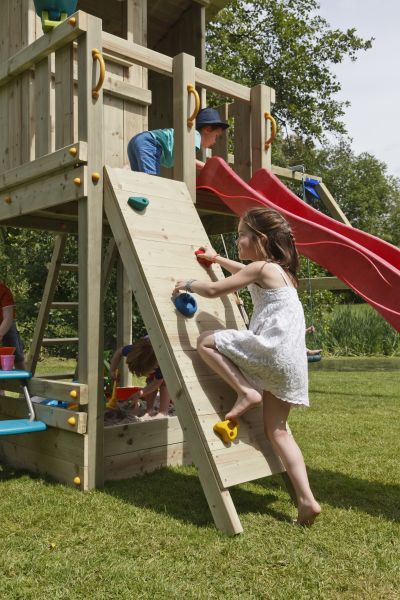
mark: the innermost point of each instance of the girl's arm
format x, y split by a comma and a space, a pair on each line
114, 363
226, 263
214, 289
8, 318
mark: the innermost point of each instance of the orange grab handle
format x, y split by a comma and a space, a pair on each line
192, 90
97, 55
268, 142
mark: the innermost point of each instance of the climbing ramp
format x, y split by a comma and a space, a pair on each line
157, 248
366, 264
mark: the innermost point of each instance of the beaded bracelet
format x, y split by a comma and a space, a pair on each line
188, 285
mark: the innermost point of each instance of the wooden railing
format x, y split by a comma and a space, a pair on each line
57, 113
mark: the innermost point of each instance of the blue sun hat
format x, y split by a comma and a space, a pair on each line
209, 116
186, 304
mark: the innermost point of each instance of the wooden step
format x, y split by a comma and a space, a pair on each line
65, 267
64, 305
57, 376
59, 341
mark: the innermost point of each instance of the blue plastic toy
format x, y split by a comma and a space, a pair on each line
54, 12
309, 188
186, 304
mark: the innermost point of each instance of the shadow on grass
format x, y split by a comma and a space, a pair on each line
344, 491
180, 495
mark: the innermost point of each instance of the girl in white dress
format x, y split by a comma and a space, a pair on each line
268, 362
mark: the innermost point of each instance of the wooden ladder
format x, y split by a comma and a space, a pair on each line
47, 304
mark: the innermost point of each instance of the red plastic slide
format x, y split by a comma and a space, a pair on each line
368, 265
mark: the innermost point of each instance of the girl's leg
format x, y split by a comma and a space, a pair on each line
150, 399
164, 401
247, 396
275, 416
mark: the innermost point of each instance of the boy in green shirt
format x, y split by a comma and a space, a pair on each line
150, 150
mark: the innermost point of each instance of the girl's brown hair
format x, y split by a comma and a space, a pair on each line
141, 360
274, 238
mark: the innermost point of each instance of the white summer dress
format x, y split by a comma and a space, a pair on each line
271, 354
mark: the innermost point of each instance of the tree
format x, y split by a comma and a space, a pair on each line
288, 46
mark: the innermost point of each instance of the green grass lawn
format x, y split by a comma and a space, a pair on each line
153, 537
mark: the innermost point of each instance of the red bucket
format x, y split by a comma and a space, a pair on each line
124, 393
6, 350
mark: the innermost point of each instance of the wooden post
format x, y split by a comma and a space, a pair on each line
242, 140
90, 367
261, 98
184, 146
124, 316
220, 148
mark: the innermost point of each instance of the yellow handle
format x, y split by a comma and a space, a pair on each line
97, 55
112, 403
269, 141
192, 90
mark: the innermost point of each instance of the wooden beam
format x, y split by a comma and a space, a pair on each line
184, 136
45, 166
331, 204
47, 298
40, 194
90, 361
293, 175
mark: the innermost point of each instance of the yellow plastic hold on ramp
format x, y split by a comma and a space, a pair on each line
226, 430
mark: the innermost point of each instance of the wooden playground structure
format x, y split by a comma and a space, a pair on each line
70, 100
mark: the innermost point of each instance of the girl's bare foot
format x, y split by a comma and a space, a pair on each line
307, 514
244, 403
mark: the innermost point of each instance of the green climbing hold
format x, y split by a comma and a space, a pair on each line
138, 202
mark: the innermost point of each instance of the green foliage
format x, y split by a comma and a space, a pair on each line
287, 45
358, 330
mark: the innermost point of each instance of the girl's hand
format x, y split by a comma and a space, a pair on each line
180, 285
136, 397
209, 252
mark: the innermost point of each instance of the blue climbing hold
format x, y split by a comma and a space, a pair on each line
186, 304
138, 202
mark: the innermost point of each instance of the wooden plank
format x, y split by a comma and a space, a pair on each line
47, 298
53, 390
220, 147
57, 440
170, 332
126, 91
122, 439
90, 362
160, 63
43, 47
222, 86
184, 136
28, 459
242, 139
47, 165
64, 98
293, 175
124, 466
52, 190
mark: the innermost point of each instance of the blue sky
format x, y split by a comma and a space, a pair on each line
372, 83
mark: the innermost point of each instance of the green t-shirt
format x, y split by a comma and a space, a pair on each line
165, 137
